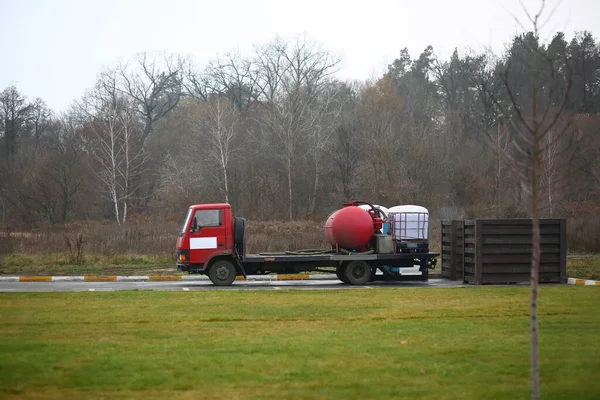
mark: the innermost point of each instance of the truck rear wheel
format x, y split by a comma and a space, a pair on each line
358, 273
222, 273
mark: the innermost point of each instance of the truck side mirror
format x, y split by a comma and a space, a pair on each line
194, 225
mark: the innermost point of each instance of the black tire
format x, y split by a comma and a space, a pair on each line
340, 272
358, 273
222, 273
239, 234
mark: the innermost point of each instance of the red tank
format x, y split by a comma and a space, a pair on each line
350, 228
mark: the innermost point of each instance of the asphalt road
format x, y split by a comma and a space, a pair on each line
12, 287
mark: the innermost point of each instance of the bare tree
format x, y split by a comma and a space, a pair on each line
500, 139
15, 112
232, 76
378, 113
552, 163
535, 130
67, 169
116, 141
219, 123
59, 173
15, 117
186, 169
40, 116
179, 178
346, 150
325, 120
294, 79
154, 82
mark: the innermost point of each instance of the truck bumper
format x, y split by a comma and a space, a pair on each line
183, 267
190, 268
183, 260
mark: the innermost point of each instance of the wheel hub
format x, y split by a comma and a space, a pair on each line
222, 273
358, 272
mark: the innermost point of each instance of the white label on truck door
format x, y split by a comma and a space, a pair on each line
203, 243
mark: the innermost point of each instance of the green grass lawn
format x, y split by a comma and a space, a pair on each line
463, 343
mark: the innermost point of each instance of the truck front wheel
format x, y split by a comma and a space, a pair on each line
358, 272
222, 273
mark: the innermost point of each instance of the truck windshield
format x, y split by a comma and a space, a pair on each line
186, 223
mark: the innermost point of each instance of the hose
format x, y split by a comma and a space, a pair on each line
297, 252
312, 252
356, 252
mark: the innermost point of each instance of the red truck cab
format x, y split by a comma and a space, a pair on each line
206, 236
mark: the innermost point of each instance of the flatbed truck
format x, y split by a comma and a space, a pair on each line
213, 242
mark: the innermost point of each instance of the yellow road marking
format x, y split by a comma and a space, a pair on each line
165, 278
93, 278
292, 277
35, 279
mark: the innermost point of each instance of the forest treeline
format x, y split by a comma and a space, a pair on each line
279, 136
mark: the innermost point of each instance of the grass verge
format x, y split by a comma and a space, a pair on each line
584, 266
360, 343
61, 264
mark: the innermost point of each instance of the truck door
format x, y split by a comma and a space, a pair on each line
207, 235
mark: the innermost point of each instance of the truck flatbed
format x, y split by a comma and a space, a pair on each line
392, 264
333, 257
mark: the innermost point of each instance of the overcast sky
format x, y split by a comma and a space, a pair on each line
54, 49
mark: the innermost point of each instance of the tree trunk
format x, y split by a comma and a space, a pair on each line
289, 173
126, 177
535, 266
114, 196
313, 201
64, 209
535, 256
550, 199
116, 204
225, 184
3, 227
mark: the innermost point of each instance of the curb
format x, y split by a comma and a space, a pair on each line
163, 278
160, 278
582, 282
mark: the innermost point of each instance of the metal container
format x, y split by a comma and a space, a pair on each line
350, 228
384, 244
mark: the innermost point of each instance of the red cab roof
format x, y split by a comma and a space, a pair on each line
210, 206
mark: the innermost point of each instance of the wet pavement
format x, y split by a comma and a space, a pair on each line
313, 284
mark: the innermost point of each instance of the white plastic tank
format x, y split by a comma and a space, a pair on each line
409, 223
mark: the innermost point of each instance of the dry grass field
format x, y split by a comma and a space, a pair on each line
149, 248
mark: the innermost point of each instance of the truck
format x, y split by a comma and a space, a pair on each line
367, 244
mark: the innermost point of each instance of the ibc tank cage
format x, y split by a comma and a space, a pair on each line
409, 227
